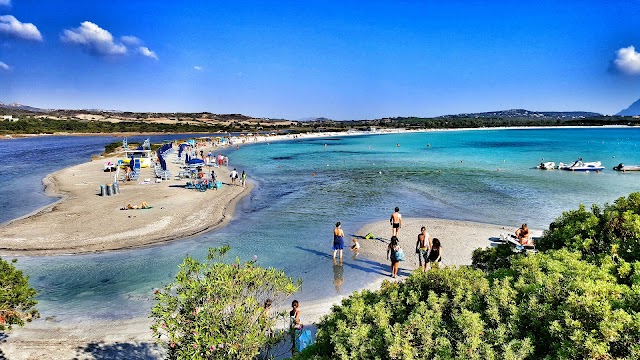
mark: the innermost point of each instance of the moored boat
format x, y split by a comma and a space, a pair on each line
580, 165
623, 167
549, 165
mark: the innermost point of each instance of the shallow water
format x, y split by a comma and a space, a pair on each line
303, 187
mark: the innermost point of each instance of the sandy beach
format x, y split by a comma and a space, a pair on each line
82, 221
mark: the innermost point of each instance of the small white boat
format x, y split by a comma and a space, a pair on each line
580, 165
623, 168
550, 165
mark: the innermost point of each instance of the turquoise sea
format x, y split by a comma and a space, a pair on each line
304, 186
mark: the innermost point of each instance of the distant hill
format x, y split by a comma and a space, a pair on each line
527, 114
17, 106
632, 110
314, 119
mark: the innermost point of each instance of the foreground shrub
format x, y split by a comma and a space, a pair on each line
552, 305
599, 233
17, 303
214, 310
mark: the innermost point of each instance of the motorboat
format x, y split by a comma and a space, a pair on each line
623, 167
550, 165
580, 165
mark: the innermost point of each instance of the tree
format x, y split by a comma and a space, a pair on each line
17, 303
215, 310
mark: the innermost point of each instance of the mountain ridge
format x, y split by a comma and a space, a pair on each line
632, 110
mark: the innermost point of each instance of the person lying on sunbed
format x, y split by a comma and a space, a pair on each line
522, 234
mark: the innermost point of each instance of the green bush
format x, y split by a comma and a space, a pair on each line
551, 305
599, 233
17, 303
493, 258
214, 310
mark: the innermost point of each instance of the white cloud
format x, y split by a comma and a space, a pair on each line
10, 26
4, 66
198, 68
94, 39
144, 51
5, 2
628, 60
130, 40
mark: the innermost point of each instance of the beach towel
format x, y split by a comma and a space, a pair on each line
305, 339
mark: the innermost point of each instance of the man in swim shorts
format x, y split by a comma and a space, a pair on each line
423, 246
396, 222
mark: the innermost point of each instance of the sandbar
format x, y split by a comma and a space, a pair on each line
81, 221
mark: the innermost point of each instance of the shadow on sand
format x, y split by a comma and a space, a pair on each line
373, 267
3, 338
119, 350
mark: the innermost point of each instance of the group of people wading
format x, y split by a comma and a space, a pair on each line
429, 250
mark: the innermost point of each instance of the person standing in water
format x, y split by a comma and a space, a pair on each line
338, 240
396, 222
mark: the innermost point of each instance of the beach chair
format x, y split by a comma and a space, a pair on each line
515, 244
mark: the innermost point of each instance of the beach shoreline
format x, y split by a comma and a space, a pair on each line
320, 134
51, 338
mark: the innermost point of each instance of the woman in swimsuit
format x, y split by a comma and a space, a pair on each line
436, 252
391, 255
338, 240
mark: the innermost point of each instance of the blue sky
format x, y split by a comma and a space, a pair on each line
338, 59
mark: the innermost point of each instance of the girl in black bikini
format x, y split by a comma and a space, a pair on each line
436, 252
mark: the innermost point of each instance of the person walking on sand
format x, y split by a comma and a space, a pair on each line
396, 222
392, 248
435, 255
338, 240
422, 247
234, 176
243, 179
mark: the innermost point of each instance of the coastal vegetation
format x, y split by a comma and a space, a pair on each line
578, 298
216, 310
17, 303
85, 121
